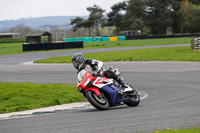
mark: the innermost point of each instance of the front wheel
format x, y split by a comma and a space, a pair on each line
133, 98
100, 102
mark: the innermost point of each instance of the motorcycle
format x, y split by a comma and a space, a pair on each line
103, 92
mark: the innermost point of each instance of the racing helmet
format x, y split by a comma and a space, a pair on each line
78, 60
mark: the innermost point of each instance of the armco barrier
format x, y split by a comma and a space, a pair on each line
51, 46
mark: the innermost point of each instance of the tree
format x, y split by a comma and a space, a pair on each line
184, 16
24, 30
88, 24
80, 22
195, 18
174, 16
96, 17
77, 23
196, 2
134, 16
159, 16
95, 20
115, 16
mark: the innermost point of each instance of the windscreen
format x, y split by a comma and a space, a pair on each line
89, 69
81, 74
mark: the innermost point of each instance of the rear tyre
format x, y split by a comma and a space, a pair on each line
133, 98
100, 102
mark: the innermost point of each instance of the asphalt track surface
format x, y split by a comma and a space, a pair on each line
173, 90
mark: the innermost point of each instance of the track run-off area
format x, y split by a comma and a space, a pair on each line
173, 90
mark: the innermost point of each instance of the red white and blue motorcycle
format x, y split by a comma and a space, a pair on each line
103, 93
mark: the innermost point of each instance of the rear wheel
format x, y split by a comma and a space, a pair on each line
133, 98
100, 102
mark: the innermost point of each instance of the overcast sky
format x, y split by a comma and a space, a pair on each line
15, 9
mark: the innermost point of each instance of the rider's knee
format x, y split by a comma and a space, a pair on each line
110, 74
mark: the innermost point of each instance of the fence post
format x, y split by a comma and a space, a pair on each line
193, 43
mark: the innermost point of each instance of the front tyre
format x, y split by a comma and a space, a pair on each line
133, 98
100, 102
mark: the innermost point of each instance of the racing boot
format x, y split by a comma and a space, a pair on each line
125, 86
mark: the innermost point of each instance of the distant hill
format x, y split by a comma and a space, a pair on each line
39, 22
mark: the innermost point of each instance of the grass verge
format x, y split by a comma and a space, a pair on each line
142, 42
10, 48
16, 48
188, 130
25, 96
152, 54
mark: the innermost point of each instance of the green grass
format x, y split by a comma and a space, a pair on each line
188, 130
24, 96
16, 48
10, 48
153, 54
142, 42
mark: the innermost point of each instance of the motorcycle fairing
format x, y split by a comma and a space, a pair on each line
102, 81
94, 89
83, 79
113, 92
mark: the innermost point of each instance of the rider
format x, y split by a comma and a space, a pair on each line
96, 66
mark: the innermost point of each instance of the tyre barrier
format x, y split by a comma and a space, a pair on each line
51, 46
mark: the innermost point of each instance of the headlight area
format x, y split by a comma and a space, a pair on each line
80, 89
86, 82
